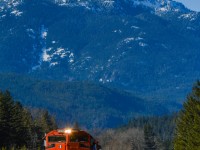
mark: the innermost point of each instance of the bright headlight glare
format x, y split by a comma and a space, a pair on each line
68, 131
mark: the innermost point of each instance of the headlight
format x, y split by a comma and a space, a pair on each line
68, 131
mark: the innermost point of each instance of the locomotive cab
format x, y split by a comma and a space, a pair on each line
70, 139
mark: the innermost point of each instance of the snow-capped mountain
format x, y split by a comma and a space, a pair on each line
156, 6
149, 46
99, 5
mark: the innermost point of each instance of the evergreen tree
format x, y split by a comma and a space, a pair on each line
13, 129
6, 114
149, 138
29, 128
46, 122
188, 125
76, 125
43, 124
20, 125
17, 127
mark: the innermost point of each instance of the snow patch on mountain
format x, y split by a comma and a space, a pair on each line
31, 33
189, 16
3, 16
11, 6
16, 12
191, 28
147, 3
107, 3
135, 27
89, 4
128, 40
45, 56
117, 31
10, 3
142, 44
108, 78
78, 3
53, 56
161, 6
1, 8
43, 33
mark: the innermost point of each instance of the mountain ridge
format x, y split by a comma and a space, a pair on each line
103, 5
139, 50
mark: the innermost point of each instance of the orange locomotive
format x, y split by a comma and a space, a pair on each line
70, 139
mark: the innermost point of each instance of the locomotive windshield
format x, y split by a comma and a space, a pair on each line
79, 137
56, 138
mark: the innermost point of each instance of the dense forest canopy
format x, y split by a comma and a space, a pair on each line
188, 125
107, 106
18, 128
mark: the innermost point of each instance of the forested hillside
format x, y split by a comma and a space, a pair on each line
72, 101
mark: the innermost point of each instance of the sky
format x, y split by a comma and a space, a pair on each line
191, 4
